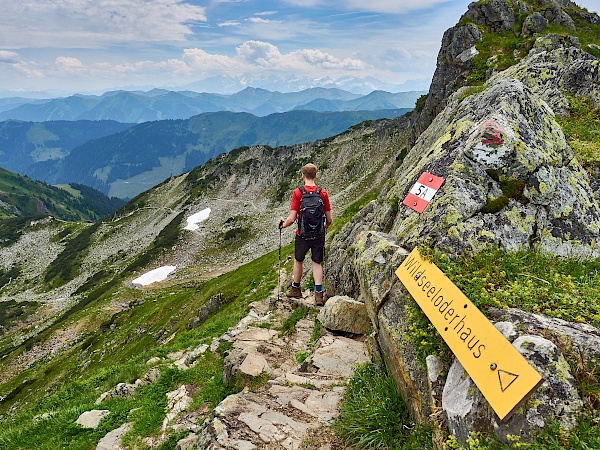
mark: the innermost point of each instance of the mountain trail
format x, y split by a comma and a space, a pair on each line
294, 372
303, 368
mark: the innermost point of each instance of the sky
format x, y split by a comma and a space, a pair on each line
91, 46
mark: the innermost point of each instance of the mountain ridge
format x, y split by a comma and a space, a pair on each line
127, 163
159, 104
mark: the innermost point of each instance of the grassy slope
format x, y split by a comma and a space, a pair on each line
115, 347
21, 196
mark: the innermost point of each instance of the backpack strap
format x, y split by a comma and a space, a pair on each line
304, 191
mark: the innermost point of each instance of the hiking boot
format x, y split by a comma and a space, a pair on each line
319, 298
294, 292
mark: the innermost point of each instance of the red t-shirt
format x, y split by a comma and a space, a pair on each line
297, 196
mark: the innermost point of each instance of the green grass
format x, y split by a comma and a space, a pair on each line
374, 416
499, 51
582, 130
117, 349
352, 210
557, 287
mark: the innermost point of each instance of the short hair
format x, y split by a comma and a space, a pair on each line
310, 171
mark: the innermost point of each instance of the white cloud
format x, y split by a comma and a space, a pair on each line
83, 23
229, 23
14, 63
261, 20
251, 55
68, 64
264, 54
201, 60
9, 57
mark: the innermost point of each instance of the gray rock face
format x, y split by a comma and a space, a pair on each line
496, 14
511, 179
342, 313
534, 23
453, 67
581, 338
558, 16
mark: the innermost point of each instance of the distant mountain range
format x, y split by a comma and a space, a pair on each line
160, 104
122, 160
230, 84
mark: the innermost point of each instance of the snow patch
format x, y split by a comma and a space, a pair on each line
195, 219
154, 275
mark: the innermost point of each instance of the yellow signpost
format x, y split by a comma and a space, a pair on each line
500, 372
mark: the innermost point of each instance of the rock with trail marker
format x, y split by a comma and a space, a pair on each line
466, 410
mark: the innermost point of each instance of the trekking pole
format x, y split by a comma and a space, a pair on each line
279, 263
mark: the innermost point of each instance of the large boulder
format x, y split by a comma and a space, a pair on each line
497, 15
533, 24
343, 313
511, 179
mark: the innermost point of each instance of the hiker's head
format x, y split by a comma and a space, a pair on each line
309, 171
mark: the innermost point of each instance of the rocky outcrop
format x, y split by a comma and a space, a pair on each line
497, 15
511, 181
453, 67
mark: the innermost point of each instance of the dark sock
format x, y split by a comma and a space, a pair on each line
318, 287
295, 284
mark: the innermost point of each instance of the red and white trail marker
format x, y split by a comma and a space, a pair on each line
423, 191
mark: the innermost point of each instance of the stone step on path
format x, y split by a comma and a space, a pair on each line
299, 401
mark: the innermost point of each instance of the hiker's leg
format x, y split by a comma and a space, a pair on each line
317, 254
317, 269
297, 272
301, 248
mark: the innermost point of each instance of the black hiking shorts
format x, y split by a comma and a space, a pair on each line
316, 247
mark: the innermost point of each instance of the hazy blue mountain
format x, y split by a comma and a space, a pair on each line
127, 163
374, 100
23, 144
160, 104
9, 103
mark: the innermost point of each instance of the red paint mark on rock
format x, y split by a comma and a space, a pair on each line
492, 133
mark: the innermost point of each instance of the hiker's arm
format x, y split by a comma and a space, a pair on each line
290, 219
328, 218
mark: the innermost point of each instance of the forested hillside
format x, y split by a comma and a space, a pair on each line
23, 197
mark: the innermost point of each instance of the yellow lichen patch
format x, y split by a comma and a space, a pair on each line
523, 224
486, 233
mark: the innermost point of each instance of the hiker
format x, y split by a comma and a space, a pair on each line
310, 205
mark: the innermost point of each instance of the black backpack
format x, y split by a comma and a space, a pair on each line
311, 223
